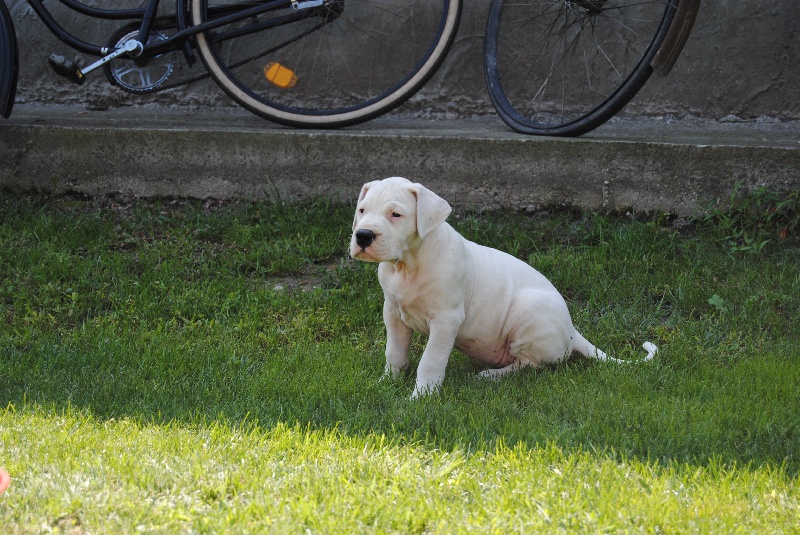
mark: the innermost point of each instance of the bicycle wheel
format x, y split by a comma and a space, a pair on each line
564, 67
338, 63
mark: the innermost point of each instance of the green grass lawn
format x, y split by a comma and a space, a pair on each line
216, 368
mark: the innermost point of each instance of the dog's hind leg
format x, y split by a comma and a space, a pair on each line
497, 373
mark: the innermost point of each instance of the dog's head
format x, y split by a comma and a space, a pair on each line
392, 217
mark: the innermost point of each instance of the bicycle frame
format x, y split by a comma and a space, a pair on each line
184, 35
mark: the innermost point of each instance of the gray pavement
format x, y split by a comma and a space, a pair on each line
654, 164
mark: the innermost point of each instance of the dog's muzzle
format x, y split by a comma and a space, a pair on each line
364, 239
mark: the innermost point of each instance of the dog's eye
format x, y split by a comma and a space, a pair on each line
360, 210
395, 214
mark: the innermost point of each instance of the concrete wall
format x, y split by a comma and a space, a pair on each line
743, 59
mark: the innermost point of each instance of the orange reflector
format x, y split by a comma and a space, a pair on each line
280, 75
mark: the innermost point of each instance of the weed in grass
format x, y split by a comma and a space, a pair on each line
161, 372
748, 222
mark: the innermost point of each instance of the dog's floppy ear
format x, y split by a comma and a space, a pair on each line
364, 190
432, 210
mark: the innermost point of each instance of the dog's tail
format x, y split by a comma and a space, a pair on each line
587, 349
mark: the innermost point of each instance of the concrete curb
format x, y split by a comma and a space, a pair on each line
644, 165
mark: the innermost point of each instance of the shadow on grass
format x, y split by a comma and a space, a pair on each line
175, 315
660, 411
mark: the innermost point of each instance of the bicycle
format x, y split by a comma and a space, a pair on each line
334, 63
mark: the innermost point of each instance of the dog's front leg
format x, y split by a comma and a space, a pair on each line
398, 340
432, 365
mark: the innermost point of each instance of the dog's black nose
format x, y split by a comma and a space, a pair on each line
364, 238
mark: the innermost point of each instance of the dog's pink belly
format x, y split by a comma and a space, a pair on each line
496, 355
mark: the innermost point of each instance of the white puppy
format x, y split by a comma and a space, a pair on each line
486, 303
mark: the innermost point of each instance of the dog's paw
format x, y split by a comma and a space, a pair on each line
394, 371
423, 391
490, 373
497, 373
391, 377
417, 394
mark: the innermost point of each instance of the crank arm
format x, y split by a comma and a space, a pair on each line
298, 5
133, 46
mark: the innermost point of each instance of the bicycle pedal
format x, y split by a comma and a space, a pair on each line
67, 69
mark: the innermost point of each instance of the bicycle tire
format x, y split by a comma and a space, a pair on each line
582, 60
9, 62
343, 63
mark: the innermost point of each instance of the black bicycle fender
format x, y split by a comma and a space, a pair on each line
676, 38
